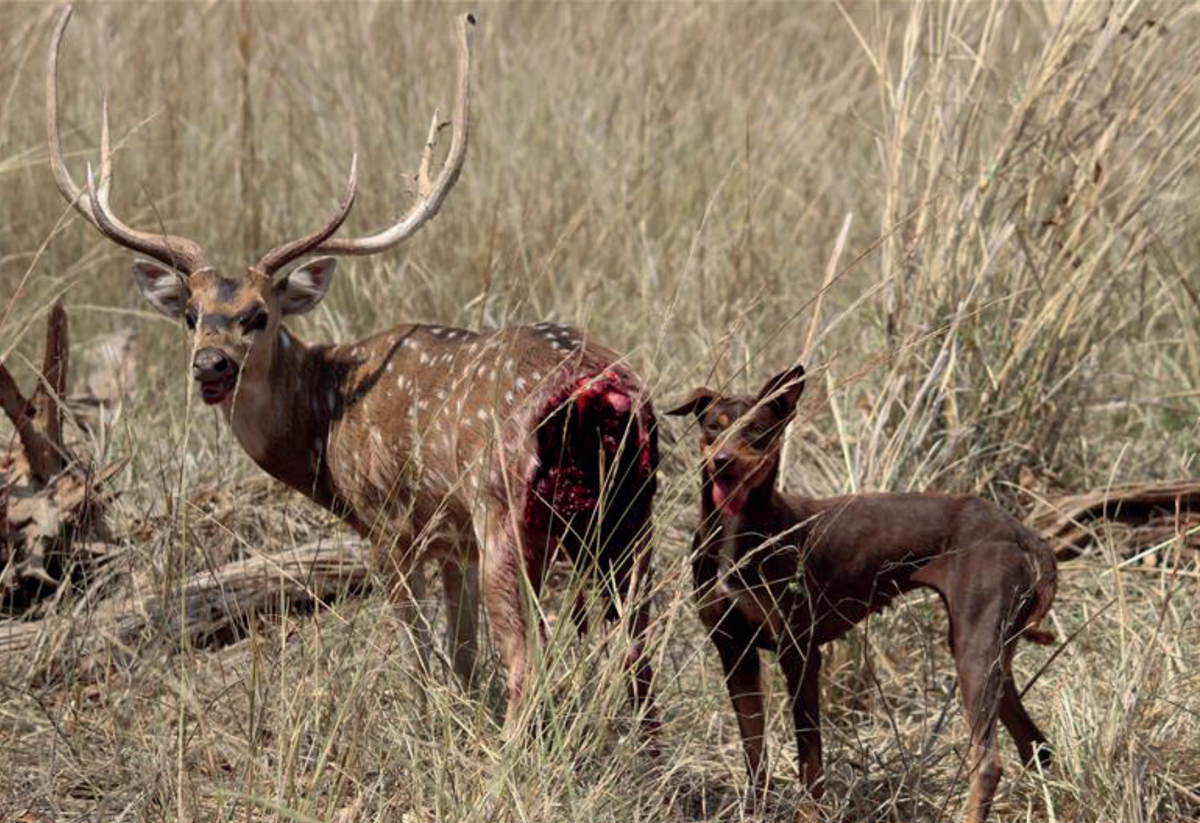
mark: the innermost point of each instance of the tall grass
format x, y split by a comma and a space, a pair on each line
1013, 314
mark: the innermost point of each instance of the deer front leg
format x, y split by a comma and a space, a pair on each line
460, 586
406, 594
801, 667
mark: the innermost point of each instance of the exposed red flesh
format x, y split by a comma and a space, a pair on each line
595, 414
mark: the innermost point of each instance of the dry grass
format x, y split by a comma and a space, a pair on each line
1014, 314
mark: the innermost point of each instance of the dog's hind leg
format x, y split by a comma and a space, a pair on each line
981, 657
1025, 733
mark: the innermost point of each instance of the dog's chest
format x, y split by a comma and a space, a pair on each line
739, 580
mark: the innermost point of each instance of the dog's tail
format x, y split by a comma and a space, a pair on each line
1041, 594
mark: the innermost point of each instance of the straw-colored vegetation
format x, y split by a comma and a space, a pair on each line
1012, 312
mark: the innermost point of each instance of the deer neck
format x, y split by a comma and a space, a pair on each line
280, 413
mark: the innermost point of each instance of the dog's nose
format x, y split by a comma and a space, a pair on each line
212, 364
722, 460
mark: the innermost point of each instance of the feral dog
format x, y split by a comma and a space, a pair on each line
790, 573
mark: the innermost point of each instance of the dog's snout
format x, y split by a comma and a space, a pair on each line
212, 363
722, 460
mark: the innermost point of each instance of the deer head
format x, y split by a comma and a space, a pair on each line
236, 320
741, 435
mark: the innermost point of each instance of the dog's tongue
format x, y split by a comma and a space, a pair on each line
728, 497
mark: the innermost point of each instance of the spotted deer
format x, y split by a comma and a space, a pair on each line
489, 454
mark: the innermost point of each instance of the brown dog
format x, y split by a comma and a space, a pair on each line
790, 573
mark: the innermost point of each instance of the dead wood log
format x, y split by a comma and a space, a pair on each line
210, 607
49, 499
1150, 510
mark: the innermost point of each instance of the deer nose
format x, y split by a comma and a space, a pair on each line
212, 364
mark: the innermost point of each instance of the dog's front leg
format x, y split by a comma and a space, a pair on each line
801, 664
742, 678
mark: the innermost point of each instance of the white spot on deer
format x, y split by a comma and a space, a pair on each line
536, 376
376, 438
520, 384
424, 358
389, 367
402, 383
508, 397
413, 344
558, 346
421, 404
437, 331
480, 371
509, 363
482, 415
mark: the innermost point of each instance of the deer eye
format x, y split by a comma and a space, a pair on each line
255, 321
189, 317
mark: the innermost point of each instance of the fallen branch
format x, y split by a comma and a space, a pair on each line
1161, 510
51, 503
211, 607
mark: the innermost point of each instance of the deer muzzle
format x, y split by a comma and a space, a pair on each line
216, 373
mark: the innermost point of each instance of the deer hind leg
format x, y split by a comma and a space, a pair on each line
638, 659
503, 570
460, 587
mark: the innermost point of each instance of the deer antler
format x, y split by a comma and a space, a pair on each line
430, 193
280, 256
182, 254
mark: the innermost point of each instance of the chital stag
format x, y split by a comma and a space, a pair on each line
475, 451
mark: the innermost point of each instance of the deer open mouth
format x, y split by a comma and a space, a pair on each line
217, 389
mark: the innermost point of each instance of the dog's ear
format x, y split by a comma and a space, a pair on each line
697, 403
783, 391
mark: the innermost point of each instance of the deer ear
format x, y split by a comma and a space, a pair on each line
697, 403
783, 390
165, 288
305, 286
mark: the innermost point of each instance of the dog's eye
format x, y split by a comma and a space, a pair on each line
757, 433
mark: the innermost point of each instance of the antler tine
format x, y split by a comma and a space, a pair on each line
430, 195
183, 254
105, 152
62, 177
280, 256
